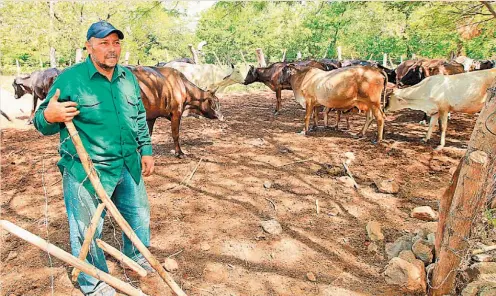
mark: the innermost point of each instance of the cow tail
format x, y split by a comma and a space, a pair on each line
383, 104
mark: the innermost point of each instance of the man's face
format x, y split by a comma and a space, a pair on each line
105, 52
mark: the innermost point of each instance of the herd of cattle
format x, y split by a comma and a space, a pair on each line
180, 88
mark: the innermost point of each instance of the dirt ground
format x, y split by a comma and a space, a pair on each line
211, 222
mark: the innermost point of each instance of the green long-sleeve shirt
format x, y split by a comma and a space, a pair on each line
111, 124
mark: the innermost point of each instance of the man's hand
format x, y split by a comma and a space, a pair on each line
60, 112
147, 163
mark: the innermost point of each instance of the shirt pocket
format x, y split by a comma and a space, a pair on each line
132, 107
91, 109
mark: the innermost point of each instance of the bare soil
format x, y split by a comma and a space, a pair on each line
213, 220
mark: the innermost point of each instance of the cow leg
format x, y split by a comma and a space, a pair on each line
326, 117
315, 117
368, 120
175, 123
35, 103
443, 127
432, 123
150, 124
380, 122
308, 115
347, 116
338, 119
278, 101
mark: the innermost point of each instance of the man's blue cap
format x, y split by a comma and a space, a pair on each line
102, 29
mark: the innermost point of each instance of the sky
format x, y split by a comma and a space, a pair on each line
194, 10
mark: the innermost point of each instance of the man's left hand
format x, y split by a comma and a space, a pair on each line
147, 163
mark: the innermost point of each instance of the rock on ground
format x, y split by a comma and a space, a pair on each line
424, 213
387, 186
374, 231
272, 227
408, 276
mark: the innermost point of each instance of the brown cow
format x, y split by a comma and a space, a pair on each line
37, 83
167, 93
343, 89
271, 76
426, 68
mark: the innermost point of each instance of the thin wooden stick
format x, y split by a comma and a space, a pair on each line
317, 206
298, 161
483, 250
70, 259
121, 257
126, 228
192, 173
348, 172
90, 233
273, 204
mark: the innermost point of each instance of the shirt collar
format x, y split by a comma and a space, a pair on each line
118, 71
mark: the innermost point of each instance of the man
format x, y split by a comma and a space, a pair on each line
103, 100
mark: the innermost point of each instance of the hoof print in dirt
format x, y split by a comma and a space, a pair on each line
272, 227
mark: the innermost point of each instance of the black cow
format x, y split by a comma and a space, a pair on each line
37, 83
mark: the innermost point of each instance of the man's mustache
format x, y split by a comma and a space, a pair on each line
111, 56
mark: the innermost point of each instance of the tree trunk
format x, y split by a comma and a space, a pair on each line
126, 58
463, 202
53, 60
260, 58
283, 55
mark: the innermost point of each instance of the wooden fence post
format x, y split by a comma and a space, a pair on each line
260, 58
463, 202
79, 55
284, 55
242, 56
384, 60
194, 54
18, 68
339, 53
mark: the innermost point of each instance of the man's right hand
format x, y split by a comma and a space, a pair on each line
60, 111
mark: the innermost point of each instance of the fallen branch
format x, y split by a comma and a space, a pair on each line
273, 204
483, 250
348, 172
317, 206
176, 253
192, 173
298, 161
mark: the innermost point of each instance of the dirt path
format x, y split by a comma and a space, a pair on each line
214, 220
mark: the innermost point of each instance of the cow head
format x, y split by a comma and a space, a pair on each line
19, 88
209, 106
394, 101
414, 75
251, 76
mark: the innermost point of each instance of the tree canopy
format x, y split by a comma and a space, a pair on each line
160, 30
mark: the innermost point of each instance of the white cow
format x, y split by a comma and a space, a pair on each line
208, 76
438, 95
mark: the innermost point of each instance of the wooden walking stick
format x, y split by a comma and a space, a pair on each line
88, 238
70, 259
126, 228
